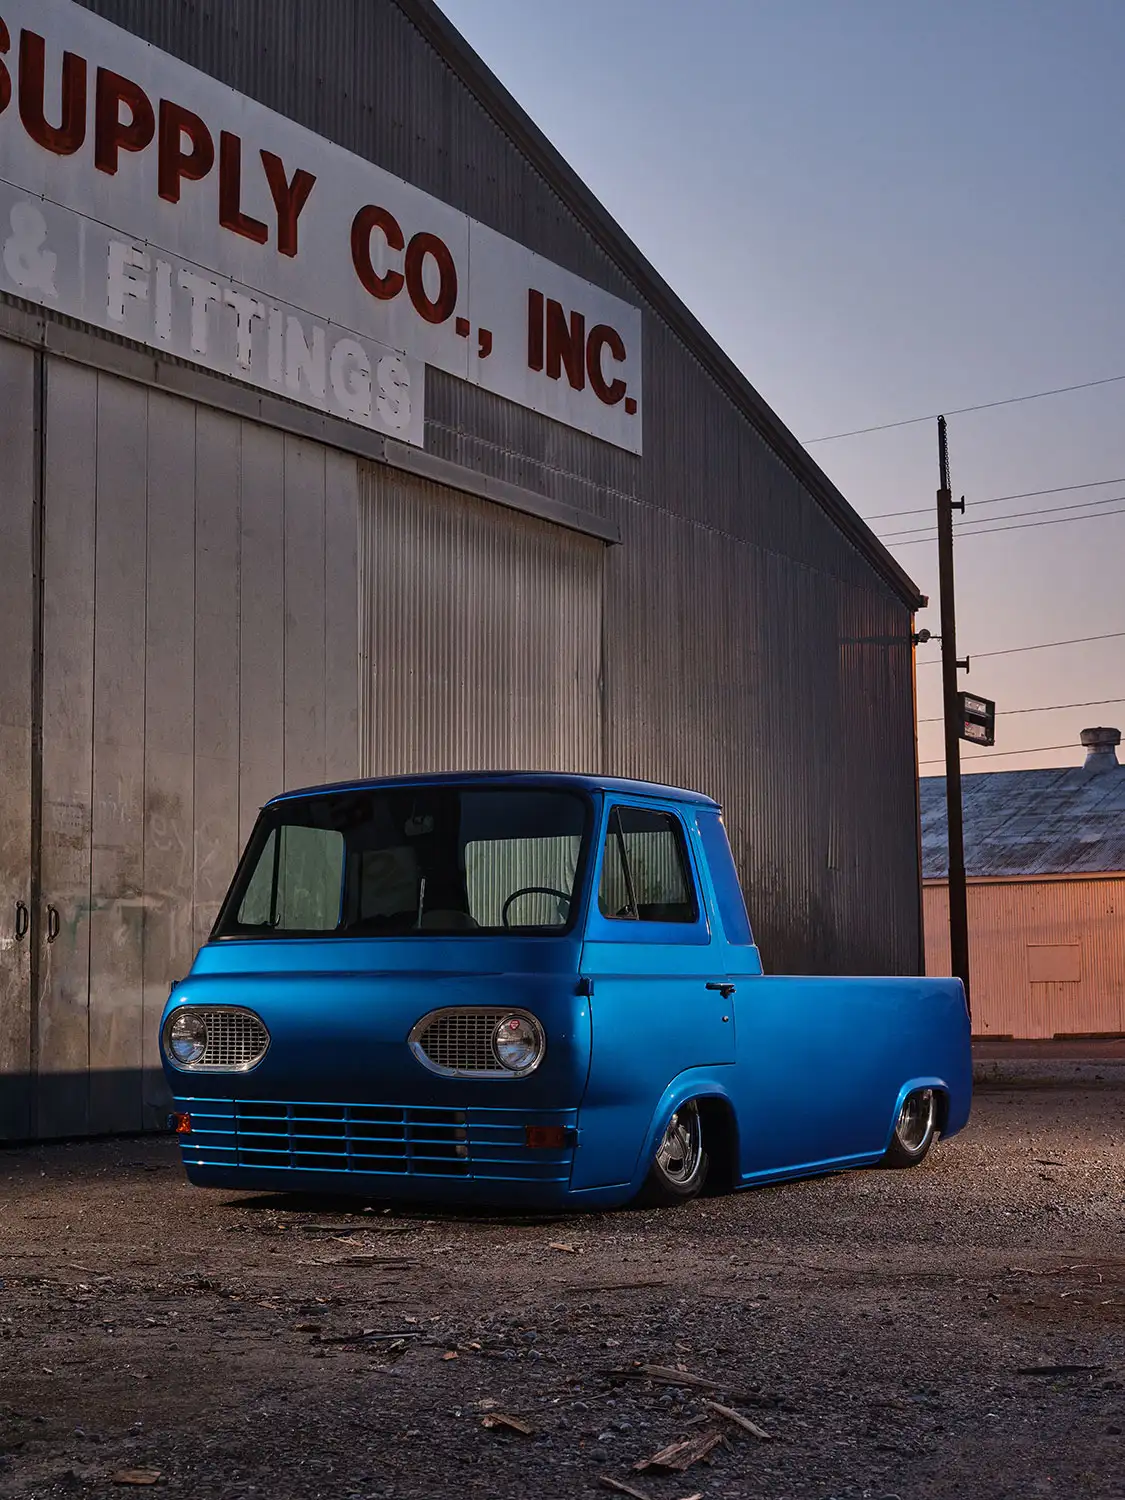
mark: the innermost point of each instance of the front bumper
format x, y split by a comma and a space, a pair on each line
391, 1151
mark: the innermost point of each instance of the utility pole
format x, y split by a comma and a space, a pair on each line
951, 709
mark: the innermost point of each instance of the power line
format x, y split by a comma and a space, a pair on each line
1061, 489
961, 411
1016, 515
1023, 526
1081, 640
1044, 708
988, 754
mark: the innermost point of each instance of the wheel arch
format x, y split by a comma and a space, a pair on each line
718, 1117
941, 1090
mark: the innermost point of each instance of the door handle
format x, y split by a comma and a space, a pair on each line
725, 989
53, 923
23, 920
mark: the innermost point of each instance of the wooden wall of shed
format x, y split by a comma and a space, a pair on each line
1046, 957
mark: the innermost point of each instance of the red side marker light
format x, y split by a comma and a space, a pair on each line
549, 1137
180, 1124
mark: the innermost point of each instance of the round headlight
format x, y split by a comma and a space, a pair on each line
519, 1043
187, 1038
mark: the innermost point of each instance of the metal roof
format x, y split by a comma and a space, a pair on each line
558, 779
1060, 822
589, 210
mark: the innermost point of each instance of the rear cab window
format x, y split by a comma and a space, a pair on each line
724, 880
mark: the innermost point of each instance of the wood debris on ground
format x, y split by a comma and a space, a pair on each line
608, 1482
681, 1454
560, 1245
666, 1375
367, 1334
736, 1416
135, 1476
503, 1419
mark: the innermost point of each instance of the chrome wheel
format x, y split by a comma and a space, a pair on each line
917, 1121
681, 1150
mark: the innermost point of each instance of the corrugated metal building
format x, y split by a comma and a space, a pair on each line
265, 525
1045, 858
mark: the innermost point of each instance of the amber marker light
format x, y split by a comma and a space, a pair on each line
549, 1137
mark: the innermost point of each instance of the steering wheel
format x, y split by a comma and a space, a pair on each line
531, 890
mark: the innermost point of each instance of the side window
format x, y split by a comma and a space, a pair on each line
644, 868
297, 884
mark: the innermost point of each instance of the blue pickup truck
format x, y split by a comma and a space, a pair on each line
525, 989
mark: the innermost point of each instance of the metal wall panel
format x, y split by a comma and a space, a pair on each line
261, 755
117, 794
809, 741
191, 661
69, 505
1009, 921
169, 731
304, 613
218, 443
18, 567
483, 628
341, 614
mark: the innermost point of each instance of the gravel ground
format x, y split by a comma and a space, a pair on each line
958, 1330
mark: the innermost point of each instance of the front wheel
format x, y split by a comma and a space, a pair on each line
915, 1129
679, 1167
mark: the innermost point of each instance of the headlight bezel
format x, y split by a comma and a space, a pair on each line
180, 1020
531, 1034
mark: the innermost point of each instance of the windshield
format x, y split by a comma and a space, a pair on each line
394, 862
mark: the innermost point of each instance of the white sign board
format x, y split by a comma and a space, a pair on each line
146, 198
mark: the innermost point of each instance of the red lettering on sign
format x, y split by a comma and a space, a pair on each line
5, 76
111, 134
605, 337
534, 330
230, 192
368, 219
66, 138
439, 308
289, 198
176, 165
566, 345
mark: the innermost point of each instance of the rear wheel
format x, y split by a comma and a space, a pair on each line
679, 1167
915, 1129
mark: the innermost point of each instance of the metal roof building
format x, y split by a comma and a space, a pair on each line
1045, 859
345, 433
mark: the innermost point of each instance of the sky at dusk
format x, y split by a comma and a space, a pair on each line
884, 211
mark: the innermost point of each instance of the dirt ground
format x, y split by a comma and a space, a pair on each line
958, 1330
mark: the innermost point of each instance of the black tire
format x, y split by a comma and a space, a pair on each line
915, 1129
679, 1165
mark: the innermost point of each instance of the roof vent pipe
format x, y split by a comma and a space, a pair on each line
1101, 748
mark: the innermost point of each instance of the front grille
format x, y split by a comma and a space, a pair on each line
460, 1041
383, 1142
237, 1041
352, 1137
